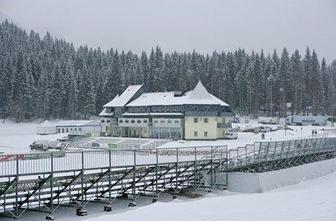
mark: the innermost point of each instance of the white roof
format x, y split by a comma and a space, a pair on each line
104, 113
199, 95
123, 99
151, 114
65, 123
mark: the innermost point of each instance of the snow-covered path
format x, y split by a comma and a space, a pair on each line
308, 201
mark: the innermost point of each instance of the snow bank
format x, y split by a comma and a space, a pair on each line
261, 182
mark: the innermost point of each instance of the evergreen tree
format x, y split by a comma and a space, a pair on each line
44, 77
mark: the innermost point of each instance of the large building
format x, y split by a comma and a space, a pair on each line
194, 115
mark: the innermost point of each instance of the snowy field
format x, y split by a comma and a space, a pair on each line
16, 137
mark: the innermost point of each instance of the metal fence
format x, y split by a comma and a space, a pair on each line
32, 163
277, 150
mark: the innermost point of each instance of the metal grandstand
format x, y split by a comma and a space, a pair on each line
48, 180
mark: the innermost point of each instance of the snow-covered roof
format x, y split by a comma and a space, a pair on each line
68, 123
152, 114
125, 97
104, 113
199, 95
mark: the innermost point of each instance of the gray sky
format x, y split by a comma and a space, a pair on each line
183, 25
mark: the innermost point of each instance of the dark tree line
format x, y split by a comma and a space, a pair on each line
44, 77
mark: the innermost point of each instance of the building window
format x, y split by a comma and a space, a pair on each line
177, 121
139, 121
67, 130
155, 121
145, 121
206, 120
205, 133
169, 121
195, 120
126, 121
108, 121
162, 121
79, 129
58, 130
103, 121
132, 121
120, 121
195, 133
62, 130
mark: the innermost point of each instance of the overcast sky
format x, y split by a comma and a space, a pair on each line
183, 25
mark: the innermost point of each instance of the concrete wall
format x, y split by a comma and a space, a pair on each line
260, 182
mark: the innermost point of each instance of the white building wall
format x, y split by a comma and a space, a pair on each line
166, 122
204, 128
133, 122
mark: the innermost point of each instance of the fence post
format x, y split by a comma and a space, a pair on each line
134, 173
227, 167
195, 166
109, 176
51, 180
267, 151
16, 187
245, 155
177, 160
82, 177
254, 153
156, 172
211, 168
275, 150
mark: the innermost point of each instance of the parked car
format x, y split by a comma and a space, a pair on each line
248, 128
44, 145
264, 129
231, 134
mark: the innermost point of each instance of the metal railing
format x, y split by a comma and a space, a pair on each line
33, 163
36, 163
277, 150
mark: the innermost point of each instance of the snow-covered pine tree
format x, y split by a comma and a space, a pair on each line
325, 84
316, 85
297, 82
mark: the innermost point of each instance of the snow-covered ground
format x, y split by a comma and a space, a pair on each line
306, 201
311, 200
249, 138
16, 137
